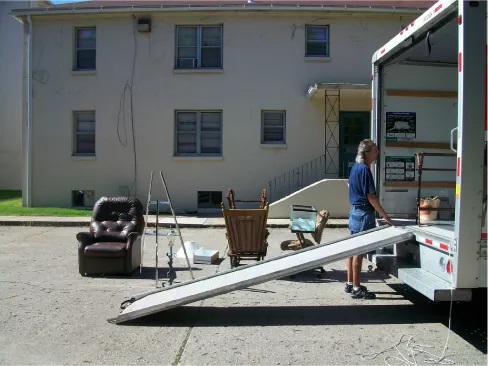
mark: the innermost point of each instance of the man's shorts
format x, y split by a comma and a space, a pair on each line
361, 220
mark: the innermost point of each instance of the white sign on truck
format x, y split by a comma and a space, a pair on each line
429, 107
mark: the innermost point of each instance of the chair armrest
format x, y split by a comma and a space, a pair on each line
131, 239
84, 239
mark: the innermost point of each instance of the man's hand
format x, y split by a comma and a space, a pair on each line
388, 220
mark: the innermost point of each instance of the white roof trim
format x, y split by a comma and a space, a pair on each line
312, 89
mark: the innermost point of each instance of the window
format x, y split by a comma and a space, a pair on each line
317, 41
84, 128
198, 133
199, 47
82, 198
209, 199
273, 127
85, 49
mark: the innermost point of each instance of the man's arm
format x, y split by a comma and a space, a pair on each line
373, 199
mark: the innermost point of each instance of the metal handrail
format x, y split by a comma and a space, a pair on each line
295, 179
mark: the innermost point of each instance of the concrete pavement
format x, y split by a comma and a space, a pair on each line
52, 315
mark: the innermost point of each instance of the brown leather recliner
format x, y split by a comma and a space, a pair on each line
113, 245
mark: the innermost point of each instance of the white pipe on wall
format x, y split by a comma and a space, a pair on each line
27, 113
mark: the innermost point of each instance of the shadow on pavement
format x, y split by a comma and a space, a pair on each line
287, 315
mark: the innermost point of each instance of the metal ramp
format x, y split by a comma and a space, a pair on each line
256, 273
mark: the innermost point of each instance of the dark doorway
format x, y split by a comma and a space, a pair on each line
354, 127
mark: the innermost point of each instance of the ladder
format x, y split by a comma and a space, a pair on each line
171, 235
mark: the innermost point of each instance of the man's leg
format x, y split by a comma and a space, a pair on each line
357, 263
358, 291
348, 288
349, 269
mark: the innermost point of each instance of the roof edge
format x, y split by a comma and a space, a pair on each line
57, 10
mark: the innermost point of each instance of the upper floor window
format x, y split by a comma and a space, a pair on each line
85, 48
198, 47
273, 127
198, 133
84, 133
317, 41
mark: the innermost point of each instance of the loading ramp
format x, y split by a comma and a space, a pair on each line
259, 272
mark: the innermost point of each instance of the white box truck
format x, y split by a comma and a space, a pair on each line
429, 120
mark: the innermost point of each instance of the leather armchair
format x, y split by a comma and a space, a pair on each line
113, 244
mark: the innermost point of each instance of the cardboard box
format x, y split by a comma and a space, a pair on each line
205, 256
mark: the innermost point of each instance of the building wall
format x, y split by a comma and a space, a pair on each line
264, 68
11, 47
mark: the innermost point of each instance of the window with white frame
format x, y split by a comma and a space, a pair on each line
85, 48
84, 136
198, 133
198, 47
273, 127
317, 41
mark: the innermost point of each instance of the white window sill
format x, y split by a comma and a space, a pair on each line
273, 146
198, 71
83, 72
198, 158
318, 59
83, 157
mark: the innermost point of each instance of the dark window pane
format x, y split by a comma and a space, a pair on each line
211, 36
85, 127
86, 60
210, 143
86, 38
187, 36
85, 144
317, 34
186, 143
211, 57
317, 49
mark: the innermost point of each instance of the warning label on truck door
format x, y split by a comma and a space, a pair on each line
401, 126
400, 168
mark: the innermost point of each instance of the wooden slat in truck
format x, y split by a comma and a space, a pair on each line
429, 120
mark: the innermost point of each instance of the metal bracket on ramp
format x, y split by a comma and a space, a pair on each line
256, 273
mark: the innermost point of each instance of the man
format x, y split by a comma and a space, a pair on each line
364, 202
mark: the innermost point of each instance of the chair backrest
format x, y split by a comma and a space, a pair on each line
231, 199
117, 217
246, 229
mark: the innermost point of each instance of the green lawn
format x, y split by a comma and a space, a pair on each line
11, 205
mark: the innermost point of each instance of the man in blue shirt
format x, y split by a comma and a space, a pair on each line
364, 202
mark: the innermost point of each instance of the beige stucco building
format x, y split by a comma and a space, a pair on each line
216, 97
11, 37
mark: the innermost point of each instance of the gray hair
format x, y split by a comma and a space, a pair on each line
363, 148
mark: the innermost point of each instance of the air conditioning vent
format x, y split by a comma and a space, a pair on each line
186, 63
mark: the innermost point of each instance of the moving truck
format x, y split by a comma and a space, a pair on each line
429, 120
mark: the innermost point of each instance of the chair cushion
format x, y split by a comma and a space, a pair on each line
108, 249
117, 230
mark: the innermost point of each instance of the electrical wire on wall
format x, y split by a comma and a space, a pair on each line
121, 118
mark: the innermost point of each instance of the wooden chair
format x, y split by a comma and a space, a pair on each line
246, 233
231, 199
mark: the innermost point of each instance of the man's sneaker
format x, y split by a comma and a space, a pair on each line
348, 288
362, 293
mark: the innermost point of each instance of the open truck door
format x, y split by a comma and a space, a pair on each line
429, 120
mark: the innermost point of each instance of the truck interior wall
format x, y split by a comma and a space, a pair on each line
433, 116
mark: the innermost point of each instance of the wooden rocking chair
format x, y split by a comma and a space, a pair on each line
231, 199
246, 233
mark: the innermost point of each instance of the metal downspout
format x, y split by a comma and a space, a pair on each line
27, 113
